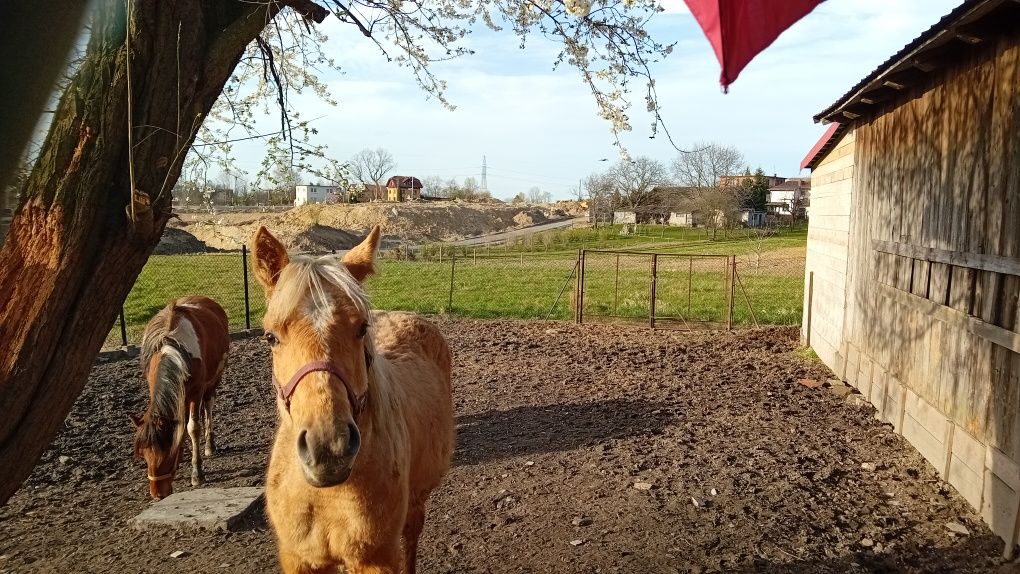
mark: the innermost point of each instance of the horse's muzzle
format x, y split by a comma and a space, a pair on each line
328, 460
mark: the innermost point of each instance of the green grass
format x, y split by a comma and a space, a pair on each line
522, 285
646, 237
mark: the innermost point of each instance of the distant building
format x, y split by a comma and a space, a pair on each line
305, 194
373, 192
681, 219
752, 217
739, 180
790, 197
624, 217
403, 188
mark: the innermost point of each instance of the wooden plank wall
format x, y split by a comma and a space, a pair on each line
929, 332
828, 239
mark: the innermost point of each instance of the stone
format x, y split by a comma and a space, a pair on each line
840, 390
715, 492
643, 485
581, 521
857, 400
868, 466
178, 554
957, 528
867, 542
577, 542
809, 383
64, 459
226, 509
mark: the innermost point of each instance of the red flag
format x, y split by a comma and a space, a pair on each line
739, 29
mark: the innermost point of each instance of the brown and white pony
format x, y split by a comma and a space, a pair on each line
365, 415
183, 354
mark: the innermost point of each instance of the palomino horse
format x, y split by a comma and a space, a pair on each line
184, 352
365, 415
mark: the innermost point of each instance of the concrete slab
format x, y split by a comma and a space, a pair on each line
211, 508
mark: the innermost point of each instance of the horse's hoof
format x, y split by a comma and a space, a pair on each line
197, 480
210, 452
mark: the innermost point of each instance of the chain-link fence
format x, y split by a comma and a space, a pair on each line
689, 291
663, 289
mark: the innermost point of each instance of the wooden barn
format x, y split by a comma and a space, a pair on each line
914, 250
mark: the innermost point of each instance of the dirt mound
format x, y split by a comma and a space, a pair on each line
305, 227
175, 241
319, 238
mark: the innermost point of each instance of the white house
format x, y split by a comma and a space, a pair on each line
681, 219
791, 194
304, 194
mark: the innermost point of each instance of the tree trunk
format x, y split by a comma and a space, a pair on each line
73, 250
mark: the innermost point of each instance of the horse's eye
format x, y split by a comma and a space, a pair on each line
363, 330
270, 339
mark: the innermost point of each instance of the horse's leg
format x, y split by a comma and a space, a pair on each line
197, 477
210, 445
412, 531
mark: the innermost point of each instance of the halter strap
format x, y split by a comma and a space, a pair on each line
160, 477
285, 392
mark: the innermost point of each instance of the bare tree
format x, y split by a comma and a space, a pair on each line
699, 172
706, 164
634, 180
598, 187
433, 186
372, 165
536, 195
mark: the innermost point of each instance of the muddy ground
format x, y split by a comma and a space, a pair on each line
581, 449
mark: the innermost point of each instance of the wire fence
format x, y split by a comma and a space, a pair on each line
663, 289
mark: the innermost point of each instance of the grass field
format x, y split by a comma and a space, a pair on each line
646, 237
522, 285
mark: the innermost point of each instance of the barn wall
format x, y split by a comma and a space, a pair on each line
828, 236
930, 320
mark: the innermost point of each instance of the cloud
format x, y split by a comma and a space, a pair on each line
540, 127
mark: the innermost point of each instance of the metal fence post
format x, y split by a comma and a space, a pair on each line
247, 304
580, 289
616, 288
651, 294
731, 263
810, 296
123, 328
453, 269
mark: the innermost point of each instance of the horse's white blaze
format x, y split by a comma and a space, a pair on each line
320, 313
185, 334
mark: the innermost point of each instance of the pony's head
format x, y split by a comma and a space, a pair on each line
317, 324
159, 433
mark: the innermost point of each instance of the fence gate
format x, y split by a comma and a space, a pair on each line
671, 290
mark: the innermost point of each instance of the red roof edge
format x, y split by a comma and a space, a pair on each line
816, 152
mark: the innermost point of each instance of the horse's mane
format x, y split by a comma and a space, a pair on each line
308, 277
164, 429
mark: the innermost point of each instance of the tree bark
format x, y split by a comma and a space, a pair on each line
74, 248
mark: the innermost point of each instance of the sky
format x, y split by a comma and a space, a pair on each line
537, 126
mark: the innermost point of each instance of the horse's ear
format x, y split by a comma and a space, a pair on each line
270, 258
360, 261
135, 419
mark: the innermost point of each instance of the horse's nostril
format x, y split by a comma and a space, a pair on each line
353, 439
304, 453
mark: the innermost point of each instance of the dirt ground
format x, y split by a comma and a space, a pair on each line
580, 449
